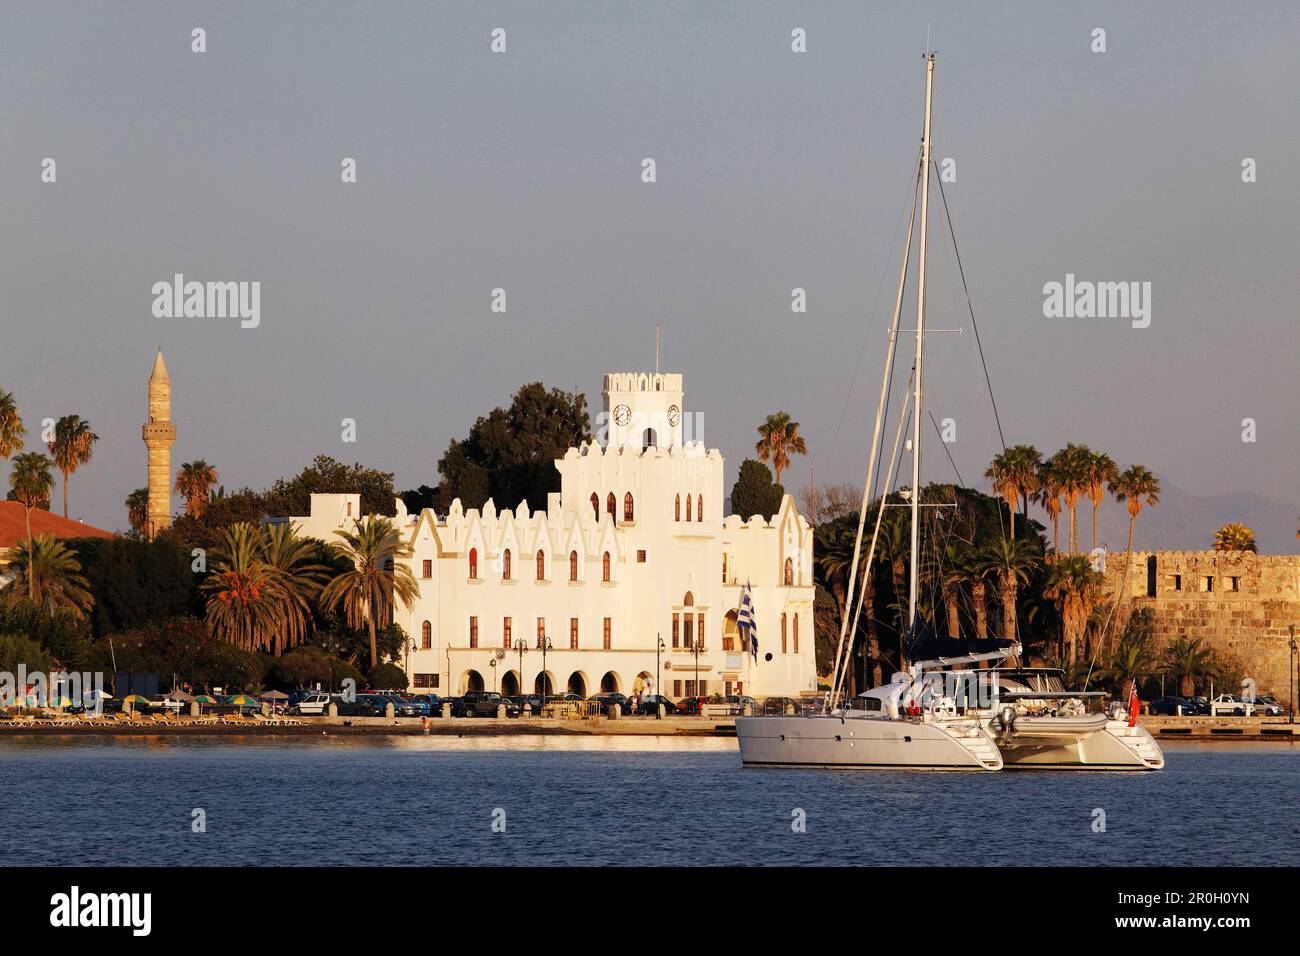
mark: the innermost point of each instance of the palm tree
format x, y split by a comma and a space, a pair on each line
1187, 659
1138, 487
71, 447
194, 483
1014, 474
1048, 495
300, 577
12, 429
137, 509
376, 582
1069, 468
835, 544
981, 566
779, 439
951, 576
1100, 471
1015, 562
51, 574
1234, 537
1074, 586
30, 484
245, 598
1130, 662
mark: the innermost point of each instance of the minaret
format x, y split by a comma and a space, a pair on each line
159, 435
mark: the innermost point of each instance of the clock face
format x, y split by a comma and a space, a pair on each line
621, 414
674, 415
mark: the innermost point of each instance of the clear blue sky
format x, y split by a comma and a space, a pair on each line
522, 170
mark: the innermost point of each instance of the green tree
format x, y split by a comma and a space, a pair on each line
779, 438
376, 581
137, 509
306, 666
1015, 476
1137, 487
1234, 537
30, 484
754, 492
194, 483
1074, 585
292, 496
510, 453
246, 602
1049, 496
1099, 471
1070, 468
50, 574
71, 447
1014, 563
16, 649
1188, 660
12, 429
299, 578
387, 676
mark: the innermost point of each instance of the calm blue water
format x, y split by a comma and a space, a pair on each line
595, 801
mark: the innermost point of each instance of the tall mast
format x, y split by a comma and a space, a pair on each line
917, 399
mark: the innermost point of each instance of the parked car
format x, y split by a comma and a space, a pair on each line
607, 700
1171, 707
314, 705
741, 701
650, 704
1267, 706
1228, 704
402, 707
483, 703
534, 702
431, 703
692, 705
365, 705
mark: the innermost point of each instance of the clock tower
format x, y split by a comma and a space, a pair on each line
642, 409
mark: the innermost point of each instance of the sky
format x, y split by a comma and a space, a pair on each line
775, 170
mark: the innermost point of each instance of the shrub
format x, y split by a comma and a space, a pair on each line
387, 676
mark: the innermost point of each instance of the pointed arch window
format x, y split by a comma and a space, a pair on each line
473, 564
677, 509
426, 636
595, 505
628, 513
796, 633
604, 567
573, 565
505, 565
688, 507
789, 572
541, 565
609, 507
699, 507
783, 634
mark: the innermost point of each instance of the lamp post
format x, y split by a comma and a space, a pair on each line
410, 646
696, 647
543, 645
521, 646
1291, 703
493, 664
658, 688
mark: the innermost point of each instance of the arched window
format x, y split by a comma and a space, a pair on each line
573, 565
789, 572
609, 507
473, 563
426, 635
627, 507
505, 565
689, 600
688, 507
783, 638
541, 565
699, 508
796, 633
677, 509
595, 505
604, 567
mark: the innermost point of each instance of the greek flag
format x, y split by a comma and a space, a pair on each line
745, 620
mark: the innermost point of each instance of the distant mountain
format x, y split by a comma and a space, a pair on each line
1184, 522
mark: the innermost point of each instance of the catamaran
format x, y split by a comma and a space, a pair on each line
939, 712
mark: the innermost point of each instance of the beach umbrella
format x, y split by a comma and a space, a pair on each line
134, 699
179, 695
273, 695
61, 701
21, 700
205, 699
242, 700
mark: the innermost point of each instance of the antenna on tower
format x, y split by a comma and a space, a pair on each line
656, 348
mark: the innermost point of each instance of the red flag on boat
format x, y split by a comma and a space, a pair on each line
1134, 705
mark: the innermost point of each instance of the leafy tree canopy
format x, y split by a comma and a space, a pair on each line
510, 453
754, 492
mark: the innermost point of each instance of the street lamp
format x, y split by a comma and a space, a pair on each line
410, 646
1291, 708
698, 646
543, 645
521, 646
658, 688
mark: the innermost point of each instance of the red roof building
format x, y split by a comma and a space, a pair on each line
13, 528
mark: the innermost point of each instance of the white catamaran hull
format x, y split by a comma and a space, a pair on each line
866, 743
1114, 746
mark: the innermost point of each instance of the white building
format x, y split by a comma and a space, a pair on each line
632, 551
